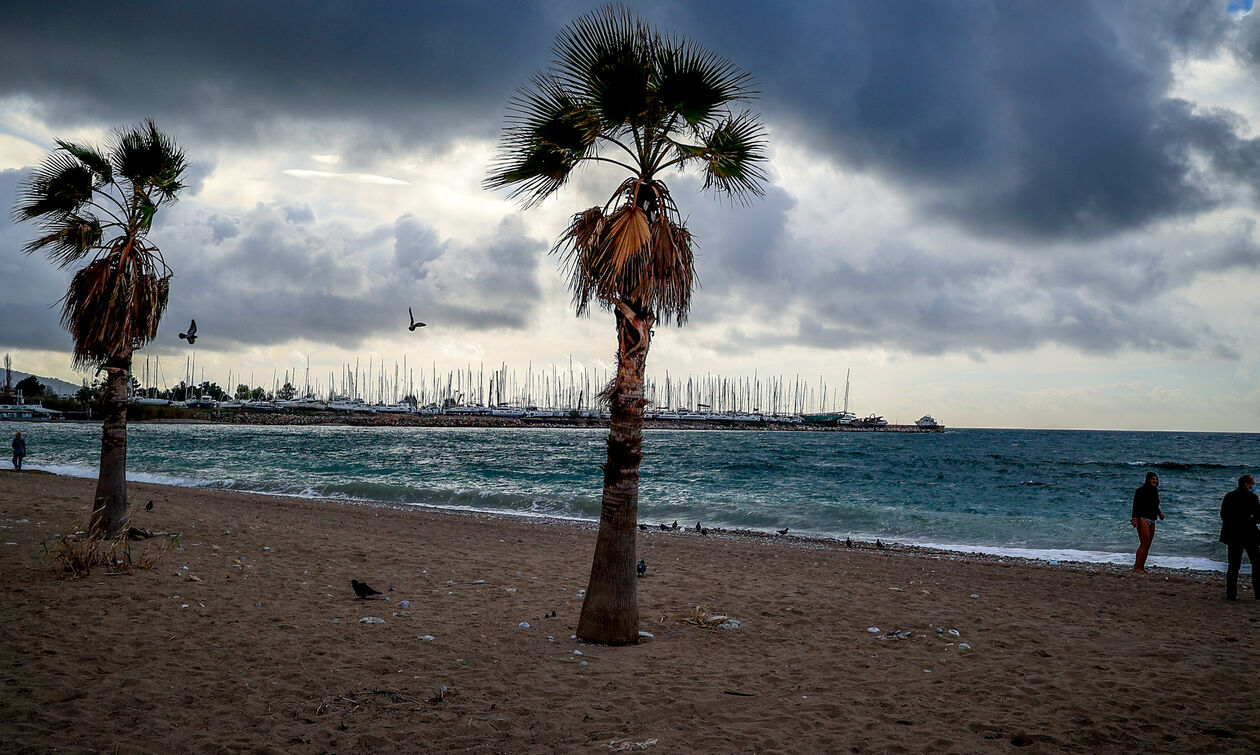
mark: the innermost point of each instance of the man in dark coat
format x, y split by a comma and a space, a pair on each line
1240, 511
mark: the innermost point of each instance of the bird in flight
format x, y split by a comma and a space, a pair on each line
191, 335
362, 589
414, 323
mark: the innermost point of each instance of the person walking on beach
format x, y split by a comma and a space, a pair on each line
1145, 512
1240, 511
19, 451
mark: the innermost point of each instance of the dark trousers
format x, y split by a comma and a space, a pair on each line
1235, 563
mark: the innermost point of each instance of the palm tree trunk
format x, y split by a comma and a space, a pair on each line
610, 612
109, 510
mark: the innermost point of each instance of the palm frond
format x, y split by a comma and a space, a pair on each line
92, 158
697, 84
56, 188
148, 158
69, 241
548, 133
606, 57
111, 309
734, 152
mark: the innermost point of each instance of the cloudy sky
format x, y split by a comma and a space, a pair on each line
1017, 214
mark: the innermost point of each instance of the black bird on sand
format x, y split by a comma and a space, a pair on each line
697, 526
191, 335
664, 526
783, 531
878, 544
675, 524
148, 506
414, 324
643, 528
362, 589
704, 530
848, 543
641, 568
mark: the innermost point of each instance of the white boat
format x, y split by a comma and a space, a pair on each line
927, 420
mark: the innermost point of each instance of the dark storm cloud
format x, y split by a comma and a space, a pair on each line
399, 71
1046, 126
30, 288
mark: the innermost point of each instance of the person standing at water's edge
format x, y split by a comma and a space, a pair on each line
1240, 511
1145, 512
19, 451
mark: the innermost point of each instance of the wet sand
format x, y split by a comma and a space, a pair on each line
249, 638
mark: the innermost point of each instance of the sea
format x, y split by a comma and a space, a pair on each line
1052, 495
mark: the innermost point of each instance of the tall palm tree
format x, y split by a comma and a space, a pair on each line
623, 94
98, 205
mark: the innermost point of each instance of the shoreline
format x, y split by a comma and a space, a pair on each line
252, 618
1101, 559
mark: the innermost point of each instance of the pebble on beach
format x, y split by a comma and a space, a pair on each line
371, 620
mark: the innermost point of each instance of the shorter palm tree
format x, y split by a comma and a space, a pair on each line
98, 205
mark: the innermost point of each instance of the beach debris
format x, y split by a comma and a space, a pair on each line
577, 652
363, 589
523, 625
646, 635
426, 638
737, 693
191, 335
583, 663
702, 616
873, 630
627, 745
783, 531
550, 615
963, 646
975, 595
954, 633
266, 547
371, 620
404, 604
641, 568
551, 638
581, 593
414, 324
940, 631
896, 634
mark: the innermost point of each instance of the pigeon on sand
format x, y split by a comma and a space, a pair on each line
362, 589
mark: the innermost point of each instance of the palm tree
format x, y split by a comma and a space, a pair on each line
623, 94
99, 206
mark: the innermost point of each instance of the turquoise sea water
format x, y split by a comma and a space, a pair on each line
1060, 495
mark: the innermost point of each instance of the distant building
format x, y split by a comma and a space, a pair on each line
27, 412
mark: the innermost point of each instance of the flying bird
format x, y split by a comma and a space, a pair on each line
362, 589
191, 335
783, 531
642, 567
414, 323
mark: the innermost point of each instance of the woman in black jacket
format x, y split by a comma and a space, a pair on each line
1145, 512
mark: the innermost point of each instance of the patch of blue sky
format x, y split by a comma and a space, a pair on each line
1239, 8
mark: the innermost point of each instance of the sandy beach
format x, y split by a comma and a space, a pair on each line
249, 638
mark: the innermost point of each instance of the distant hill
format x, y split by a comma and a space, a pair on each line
59, 387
